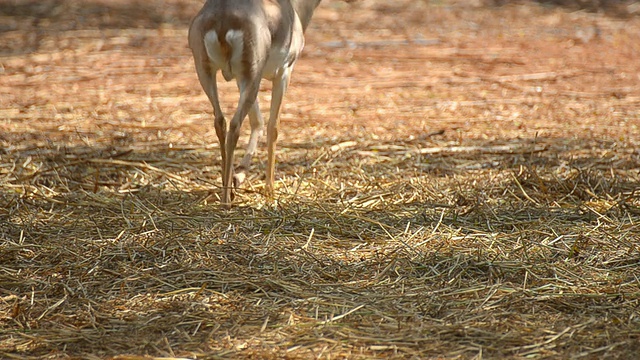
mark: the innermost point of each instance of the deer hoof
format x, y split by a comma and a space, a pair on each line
238, 179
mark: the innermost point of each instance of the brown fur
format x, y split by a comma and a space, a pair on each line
269, 28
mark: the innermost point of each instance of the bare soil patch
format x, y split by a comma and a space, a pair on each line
456, 180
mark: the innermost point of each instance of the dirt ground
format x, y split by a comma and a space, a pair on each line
456, 179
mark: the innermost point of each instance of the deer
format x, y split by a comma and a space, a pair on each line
248, 40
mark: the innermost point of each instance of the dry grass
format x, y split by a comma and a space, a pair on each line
469, 194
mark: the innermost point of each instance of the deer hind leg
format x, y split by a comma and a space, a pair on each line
257, 125
248, 96
280, 84
207, 77
220, 124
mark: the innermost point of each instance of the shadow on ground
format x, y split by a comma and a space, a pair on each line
102, 244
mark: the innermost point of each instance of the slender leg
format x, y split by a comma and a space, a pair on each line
280, 85
248, 94
220, 124
207, 77
257, 125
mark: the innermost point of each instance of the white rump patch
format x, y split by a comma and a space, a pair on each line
229, 66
